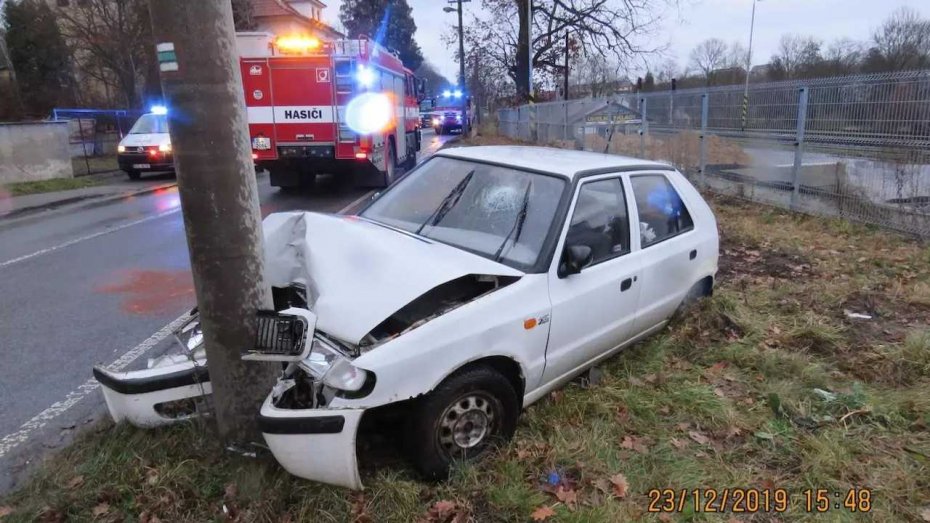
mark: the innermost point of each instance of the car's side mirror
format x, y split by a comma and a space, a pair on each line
575, 258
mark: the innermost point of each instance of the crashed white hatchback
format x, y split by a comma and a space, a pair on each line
466, 291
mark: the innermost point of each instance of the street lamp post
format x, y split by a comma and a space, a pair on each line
461, 58
752, 26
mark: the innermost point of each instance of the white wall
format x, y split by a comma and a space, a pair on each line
34, 151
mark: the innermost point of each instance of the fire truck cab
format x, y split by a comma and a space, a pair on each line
346, 107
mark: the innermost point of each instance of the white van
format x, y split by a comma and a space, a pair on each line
147, 146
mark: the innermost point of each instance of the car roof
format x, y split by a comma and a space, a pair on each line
564, 162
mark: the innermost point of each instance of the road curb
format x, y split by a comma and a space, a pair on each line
26, 214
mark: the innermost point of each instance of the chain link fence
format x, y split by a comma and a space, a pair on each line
855, 147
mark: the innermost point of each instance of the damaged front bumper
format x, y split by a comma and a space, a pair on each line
154, 396
315, 444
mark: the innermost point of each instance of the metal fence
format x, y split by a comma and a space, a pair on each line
94, 135
855, 147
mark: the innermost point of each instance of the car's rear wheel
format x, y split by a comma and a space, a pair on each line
464, 418
133, 175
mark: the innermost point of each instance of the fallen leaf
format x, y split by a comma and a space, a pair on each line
636, 381
621, 485
602, 484
678, 443
623, 414
719, 392
665, 410
5, 511
443, 507
665, 517
76, 482
925, 514
627, 443
683, 426
100, 509
542, 513
567, 496
765, 435
230, 491
151, 476
556, 395
650, 378
698, 437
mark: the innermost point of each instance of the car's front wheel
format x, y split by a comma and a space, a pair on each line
465, 417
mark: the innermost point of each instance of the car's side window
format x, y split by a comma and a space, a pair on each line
600, 220
662, 213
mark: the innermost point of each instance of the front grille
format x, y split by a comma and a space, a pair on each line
279, 335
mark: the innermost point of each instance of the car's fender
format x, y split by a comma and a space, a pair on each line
512, 322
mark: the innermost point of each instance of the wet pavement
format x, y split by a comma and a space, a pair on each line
86, 287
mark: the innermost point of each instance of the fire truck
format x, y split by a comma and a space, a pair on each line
347, 107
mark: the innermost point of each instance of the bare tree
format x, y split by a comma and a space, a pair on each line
797, 55
903, 40
613, 28
737, 55
594, 76
709, 55
112, 40
842, 57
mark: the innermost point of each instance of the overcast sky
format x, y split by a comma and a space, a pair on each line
697, 20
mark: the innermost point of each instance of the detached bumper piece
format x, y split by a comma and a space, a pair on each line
156, 396
315, 444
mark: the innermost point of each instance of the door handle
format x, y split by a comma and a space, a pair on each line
693, 254
626, 284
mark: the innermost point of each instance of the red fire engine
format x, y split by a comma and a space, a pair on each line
342, 107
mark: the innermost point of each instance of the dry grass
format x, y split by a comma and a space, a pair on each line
769, 384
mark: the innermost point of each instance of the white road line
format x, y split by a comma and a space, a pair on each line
11, 441
356, 202
85, 238
42, 419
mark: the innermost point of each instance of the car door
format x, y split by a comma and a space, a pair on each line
593, 311
668, 245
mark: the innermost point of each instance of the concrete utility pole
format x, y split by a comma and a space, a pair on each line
463, 85
202, 85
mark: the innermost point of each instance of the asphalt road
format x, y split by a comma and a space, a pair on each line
87, 287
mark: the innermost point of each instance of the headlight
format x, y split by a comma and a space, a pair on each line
120, 148
332, 368
166, 148
435, 121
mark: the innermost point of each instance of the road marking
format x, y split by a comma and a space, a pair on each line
11, 441
42, 419
88, 237
356, 202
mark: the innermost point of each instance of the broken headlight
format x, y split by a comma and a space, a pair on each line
333, 368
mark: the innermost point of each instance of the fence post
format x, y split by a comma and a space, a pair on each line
534, 129
703, 161
799, 147
643, 129
565, 122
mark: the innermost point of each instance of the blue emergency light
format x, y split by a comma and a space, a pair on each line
159, 109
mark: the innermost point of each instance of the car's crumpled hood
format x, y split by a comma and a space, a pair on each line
358, 273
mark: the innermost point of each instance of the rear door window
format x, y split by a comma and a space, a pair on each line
662, 212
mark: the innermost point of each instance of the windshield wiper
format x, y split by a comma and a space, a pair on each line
517, 225
447, 203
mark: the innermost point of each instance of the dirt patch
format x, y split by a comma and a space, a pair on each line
741, 259
153, 292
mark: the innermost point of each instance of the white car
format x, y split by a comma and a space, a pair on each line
147, 145
466, 291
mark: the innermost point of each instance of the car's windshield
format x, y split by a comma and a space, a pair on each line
150, 124
496, 212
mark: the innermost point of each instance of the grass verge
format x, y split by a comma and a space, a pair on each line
771, 384
53, 185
